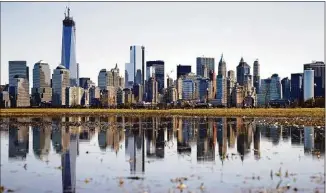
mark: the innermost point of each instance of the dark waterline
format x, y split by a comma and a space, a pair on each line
130, 154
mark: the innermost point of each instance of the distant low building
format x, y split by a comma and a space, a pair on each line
4, 99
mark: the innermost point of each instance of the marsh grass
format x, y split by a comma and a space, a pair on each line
230, 112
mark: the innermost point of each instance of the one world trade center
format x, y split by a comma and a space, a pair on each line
68, 55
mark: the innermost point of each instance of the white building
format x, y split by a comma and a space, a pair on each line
74, 96
308, 84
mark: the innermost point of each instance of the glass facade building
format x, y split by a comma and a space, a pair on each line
275, 89
286, 88
17, 68
243, 72
319, 77
296, 87
156, 68
221, 95
188, 89
60, 81
41, 91
135, 69
202, 62
68, 52
183, 70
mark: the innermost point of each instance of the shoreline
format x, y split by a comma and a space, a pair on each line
215, 112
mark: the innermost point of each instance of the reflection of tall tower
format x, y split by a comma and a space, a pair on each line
56, 136
183, 135
18, 141
222, 137
243, 145
68, 55
205, 142
231, 132
136, 151
68, 161
257, 142
309, 139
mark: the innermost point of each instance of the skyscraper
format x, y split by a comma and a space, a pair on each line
243, 72
286, 88
135, 69
275, 87
296, 87
60, 81
183, 70
229, 86
204, 62
68, 55
222, 67
158, 67
41, 91
319, 77
102, 79
308, 84
221, 94
257, 75
17, 68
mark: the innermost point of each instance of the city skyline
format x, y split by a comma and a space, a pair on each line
178, 44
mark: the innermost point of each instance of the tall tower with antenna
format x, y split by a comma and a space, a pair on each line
68, 51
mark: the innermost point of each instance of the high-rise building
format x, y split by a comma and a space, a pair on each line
135, 69
202, 85
256, 75
204, 62
308, 84
60, 81
179, 84
243, 73
152, 94
68, 55
102, 79
264, 96
296, 87
230, 82
286, 88
222, 67
120, 96
169, 82
212, 78
319, 77
74, 96
188, 89
158, 71
275, 89
138, 92
18, 92
221, 94
41, 91
17, 68
183, 70
86, 82
114, 81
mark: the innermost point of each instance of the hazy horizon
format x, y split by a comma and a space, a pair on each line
282, 35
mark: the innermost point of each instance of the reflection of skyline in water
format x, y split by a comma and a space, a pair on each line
148, 138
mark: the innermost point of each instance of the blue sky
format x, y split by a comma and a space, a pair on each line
283, 36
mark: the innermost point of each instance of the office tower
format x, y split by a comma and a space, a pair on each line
296, 87
264, 96
135, 69
169, 82
222, 67
172, 94
204, 62
138, 92
4, 99
128, 96
86, 82
308, 84
152, 94
17, 68
18, 92
159, 72
121, 82
179, 83
108, 97
212, 78
202, 85
94, 95
74, 96
256, 75
230, 82
221, 94
102, 79
243, 73
114, 81
60, 81
275, 89
286, 88
120, 96
68, 55
183, 70
41, 91
188, 89
237, 96
319, 77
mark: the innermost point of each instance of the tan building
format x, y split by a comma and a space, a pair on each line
19, 92
60, 81
74, 96
109, 97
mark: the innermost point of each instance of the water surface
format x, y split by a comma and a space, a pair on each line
223, 154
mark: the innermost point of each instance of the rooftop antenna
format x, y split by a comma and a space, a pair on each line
68, 11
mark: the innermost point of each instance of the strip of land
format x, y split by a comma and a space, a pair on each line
216, 112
